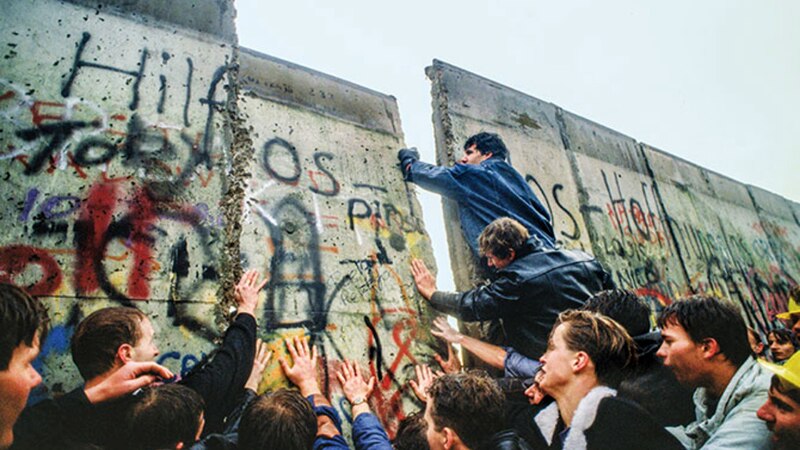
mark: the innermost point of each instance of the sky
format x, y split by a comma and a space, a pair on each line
715, 82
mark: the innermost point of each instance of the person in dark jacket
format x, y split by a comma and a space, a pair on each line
111, 339
464, 411
532, 286
485, 187
587, 357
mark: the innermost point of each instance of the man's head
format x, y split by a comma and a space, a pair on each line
280, 419
792, 315
411, 433
782, 408
702, 334
162, 417
782, 344
501, 240
23, 327
110, 337
586, 345
463, 411
624, 307
483, 146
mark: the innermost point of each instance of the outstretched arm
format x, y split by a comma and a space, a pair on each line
493, 355
368, 433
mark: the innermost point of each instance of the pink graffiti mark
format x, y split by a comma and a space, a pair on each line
15, 259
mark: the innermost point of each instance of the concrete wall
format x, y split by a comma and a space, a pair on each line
146, 161
664, 227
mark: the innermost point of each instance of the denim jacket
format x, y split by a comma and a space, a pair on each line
485, 192
734, 424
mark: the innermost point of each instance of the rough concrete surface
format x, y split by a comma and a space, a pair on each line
148, 162
664, 227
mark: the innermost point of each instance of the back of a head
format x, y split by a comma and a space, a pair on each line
21, 318
488, 143
609, 346
501, 236
98, 336
411, 433
282, 419
624, 307
469, 403
706, 317
160, 417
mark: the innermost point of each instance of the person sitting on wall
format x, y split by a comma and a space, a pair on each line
485, 187
588, 355
782, 344
792, 314
466, 411
291, 420
24, 324
781, 411
110, 338
705, 345
532, 286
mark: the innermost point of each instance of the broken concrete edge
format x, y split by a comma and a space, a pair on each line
194, 16
299, 86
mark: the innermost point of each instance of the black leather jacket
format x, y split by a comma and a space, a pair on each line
529, 293
506, 440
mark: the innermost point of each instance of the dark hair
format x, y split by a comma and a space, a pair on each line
411, 433
608, 345
705, 317
21, 318
159, 417
281, 419
469, 403
785, 388
488, 143
783, 336
794, 292
98, 337
623, 306
501, 236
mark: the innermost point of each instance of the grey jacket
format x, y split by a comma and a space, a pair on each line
734, 424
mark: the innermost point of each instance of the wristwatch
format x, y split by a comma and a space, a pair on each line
358, 400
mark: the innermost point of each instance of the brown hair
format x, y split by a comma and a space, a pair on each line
162, 416
608, 345
469, 403
21, 318
282, 419
98, 337
502, 236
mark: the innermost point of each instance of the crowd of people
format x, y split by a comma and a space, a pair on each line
579, 364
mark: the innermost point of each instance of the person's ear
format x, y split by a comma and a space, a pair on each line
580, 362
710, 348
179, 446
512, 254
450, 438
125, 353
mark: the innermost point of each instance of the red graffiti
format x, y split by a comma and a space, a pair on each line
142, 218
15, 259
95, 217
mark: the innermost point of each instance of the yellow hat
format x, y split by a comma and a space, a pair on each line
788, 372
794, 308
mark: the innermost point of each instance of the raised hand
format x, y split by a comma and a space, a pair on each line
423, 278
355, 388
246, 292
128, 378
304, 371
425, 377
259, 365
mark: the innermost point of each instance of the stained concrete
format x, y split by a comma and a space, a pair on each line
664, 227
148, 161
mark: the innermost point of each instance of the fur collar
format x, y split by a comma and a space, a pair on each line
548, 418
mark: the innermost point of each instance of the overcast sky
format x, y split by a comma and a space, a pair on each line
714, 82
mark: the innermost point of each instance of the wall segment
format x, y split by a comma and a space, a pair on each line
147, 161
664, 227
